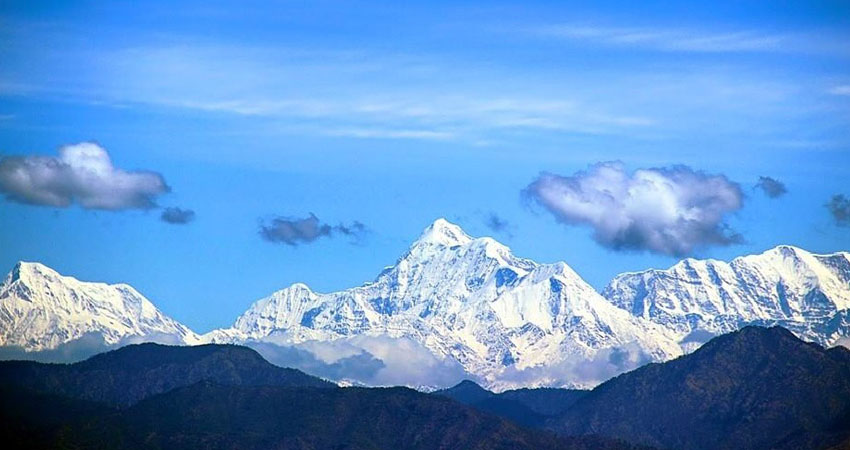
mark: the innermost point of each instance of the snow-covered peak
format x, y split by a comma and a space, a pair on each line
468, 299
29, 271
41, 309
443, 232
784, 285
300, 288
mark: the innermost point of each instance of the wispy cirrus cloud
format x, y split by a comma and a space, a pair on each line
340, 93
372, 93
843, 89
669, 39
391, 133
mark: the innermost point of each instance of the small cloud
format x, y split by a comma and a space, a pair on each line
293, 231
83, 174
840, 90
670, 211
771, 187
177, 216
839, 207
496, 223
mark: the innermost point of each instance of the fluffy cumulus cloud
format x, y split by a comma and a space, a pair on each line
294, 231
669, 211
771, 187
83, 174
839, 207
177, 216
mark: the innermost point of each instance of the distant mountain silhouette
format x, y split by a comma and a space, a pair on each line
141, 397
755, 388
123, 377
525, 406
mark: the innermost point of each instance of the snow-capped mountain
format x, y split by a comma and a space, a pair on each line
466, 299
41, 309
509, 321
806, 293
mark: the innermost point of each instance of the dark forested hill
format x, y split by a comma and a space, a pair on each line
153, 396
754, 388
757, 388
125, 376
525, 406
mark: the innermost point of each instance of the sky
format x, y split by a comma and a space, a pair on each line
209, 153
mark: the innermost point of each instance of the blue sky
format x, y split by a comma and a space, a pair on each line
394, 115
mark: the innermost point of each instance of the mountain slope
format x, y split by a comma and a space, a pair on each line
41, 309
751, 389
206, 415
125, 376
142, 397
470, 300
528, 407
806, 293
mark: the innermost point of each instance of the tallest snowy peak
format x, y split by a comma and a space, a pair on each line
443, 232
27, 271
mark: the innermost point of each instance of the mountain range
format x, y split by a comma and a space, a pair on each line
755, 388
229, 397
508, 322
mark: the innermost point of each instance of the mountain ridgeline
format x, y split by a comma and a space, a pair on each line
753, 388
228, 397
507, 322
756, 388
530, 407
123, 377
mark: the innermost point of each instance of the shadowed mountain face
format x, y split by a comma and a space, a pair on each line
206, 415
125, 376
529, 407
223, 396
754, 388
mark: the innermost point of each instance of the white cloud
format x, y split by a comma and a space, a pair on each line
668, 210
579, 372
83, 173
840, 90
843, 342
662, 39
384, 133
367, 360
